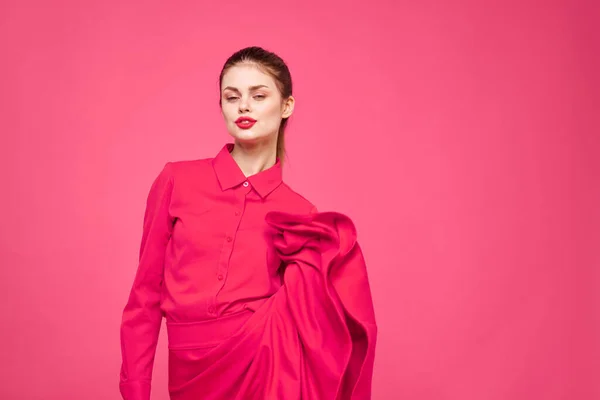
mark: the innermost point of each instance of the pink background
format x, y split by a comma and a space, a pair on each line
461, 137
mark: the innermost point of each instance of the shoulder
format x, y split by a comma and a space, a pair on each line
184, 167
298, 201
179, 170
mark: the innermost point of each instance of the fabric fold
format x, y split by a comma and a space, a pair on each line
314, 339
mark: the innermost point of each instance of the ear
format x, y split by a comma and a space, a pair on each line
288, 107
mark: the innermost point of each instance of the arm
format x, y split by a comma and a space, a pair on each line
142, 316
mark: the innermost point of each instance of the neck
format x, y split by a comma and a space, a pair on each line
254, 158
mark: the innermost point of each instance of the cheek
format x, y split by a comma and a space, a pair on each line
272, 111
228, 113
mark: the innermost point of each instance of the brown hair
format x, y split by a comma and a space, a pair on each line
273, 65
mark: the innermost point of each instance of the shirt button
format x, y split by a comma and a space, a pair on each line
246, 184
211, 310
220, 277
229, 238
237, 213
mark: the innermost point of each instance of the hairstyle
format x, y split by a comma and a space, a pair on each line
273, 65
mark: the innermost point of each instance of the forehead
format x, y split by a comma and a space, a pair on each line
243, 76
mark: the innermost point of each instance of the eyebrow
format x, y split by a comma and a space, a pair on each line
251, 88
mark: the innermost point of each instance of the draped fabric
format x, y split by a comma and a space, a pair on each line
314, 339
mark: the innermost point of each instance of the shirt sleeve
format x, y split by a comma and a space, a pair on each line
142, 317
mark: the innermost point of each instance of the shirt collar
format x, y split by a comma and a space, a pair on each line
230, 175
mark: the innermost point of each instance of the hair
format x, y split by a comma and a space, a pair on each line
273, 65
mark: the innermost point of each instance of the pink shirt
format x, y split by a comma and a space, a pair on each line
203, 252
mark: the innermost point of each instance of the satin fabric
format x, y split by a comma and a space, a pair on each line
314, 339
202, 254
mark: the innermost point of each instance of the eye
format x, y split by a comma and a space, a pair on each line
259, 96
231, 98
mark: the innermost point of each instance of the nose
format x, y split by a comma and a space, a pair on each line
244, 106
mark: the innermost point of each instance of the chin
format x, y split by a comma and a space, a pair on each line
248, 136
245, 138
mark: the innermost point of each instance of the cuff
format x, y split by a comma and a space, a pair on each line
135, 390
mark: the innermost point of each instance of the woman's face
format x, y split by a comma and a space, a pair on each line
252, 105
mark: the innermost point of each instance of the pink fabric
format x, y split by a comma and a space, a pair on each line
313, 339
203, 255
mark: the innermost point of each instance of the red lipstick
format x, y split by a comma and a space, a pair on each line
245, 122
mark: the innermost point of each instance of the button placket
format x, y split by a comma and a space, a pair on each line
223, 267
224, 264
227, 249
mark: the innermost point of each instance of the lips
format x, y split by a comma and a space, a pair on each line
245, 122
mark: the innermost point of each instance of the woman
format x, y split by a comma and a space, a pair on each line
264, 297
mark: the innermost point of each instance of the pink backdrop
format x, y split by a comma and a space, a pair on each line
461, 137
